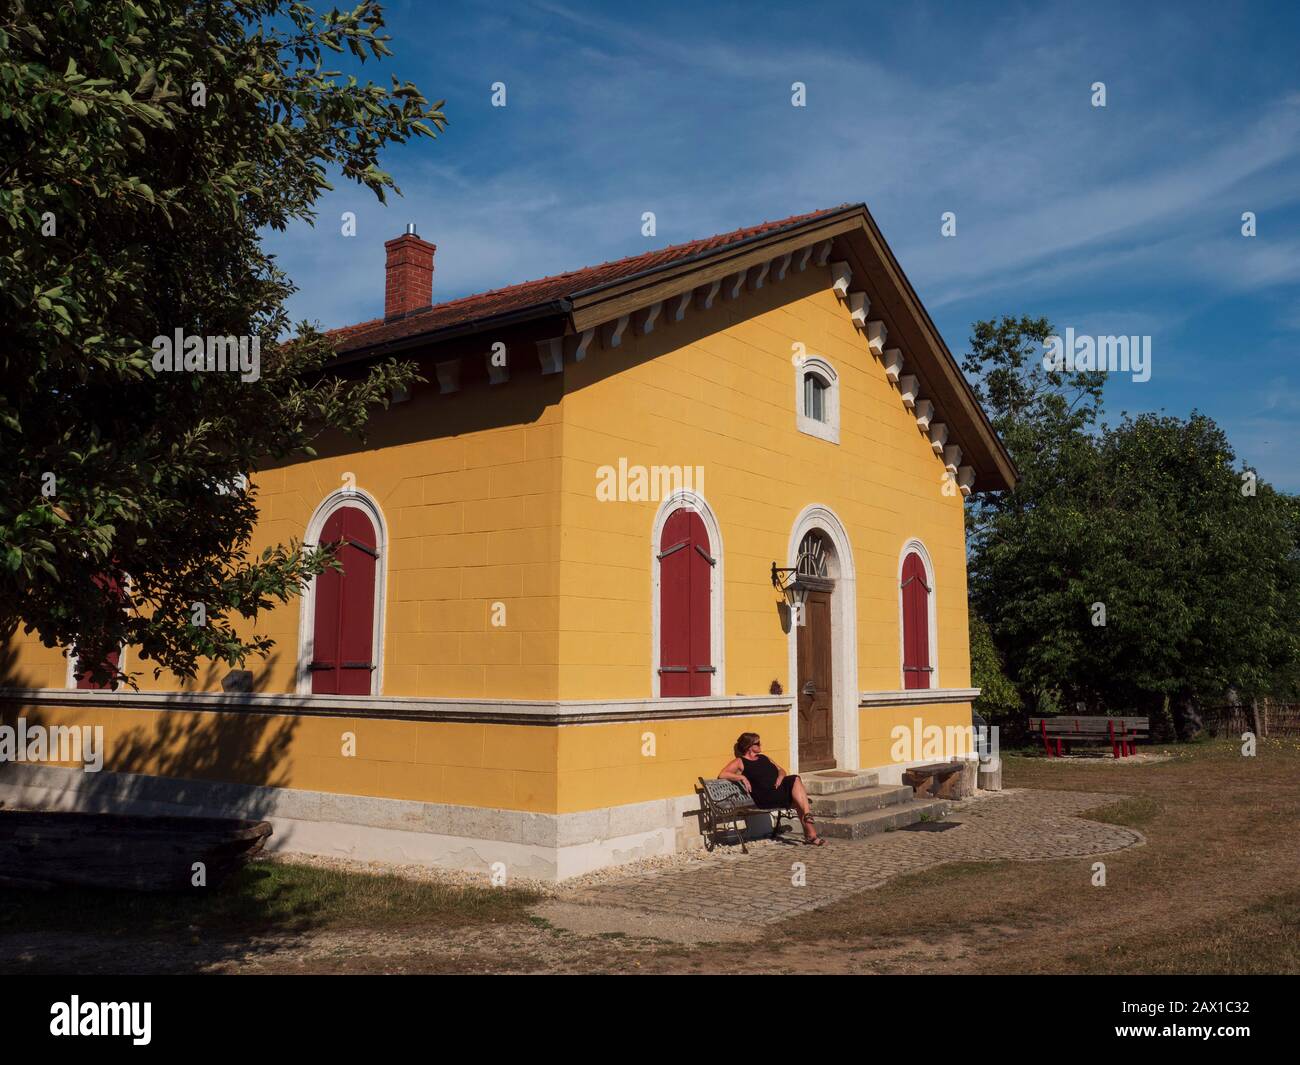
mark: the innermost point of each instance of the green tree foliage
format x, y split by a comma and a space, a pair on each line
1135, 567
998, 702
143, 147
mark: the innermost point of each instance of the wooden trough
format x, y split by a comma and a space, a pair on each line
123, 852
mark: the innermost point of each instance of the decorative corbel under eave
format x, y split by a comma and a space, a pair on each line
448, 376
711, 295
951, 458
614, 331
648, 319
758, 274
938, 437
924, 411
823, 252
735, 283
803, 259
582, 344
841, 278
681, 303
893, 359
965, 479
909, 388
783, 266
550, 353
876, 335
859, 308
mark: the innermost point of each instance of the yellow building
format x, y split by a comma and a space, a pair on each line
637, 510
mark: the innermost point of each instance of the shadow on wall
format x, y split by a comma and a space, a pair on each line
205, 759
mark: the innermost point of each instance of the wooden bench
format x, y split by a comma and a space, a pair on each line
940, 780
1122, 733
724, 804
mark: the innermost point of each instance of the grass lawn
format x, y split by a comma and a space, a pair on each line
1216, 889
261, 898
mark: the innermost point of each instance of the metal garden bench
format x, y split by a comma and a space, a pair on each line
724, 804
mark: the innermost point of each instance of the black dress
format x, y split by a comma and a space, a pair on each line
761, 774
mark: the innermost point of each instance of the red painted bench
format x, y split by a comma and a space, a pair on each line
1122, 733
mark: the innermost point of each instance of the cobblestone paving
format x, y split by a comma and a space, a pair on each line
1024, 825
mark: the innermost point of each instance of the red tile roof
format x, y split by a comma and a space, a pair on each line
547, 290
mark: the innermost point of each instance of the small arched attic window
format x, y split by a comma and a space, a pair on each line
817, 398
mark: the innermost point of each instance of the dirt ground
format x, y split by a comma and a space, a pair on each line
1214, 890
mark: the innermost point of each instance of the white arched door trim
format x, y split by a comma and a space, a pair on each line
364, 501
687, 499
844, 649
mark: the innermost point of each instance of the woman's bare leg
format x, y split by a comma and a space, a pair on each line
804, 806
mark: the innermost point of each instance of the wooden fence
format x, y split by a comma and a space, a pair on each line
1232, 719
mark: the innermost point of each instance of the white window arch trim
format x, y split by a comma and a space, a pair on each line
687, 499
932, 627
828, 430
70, 653
335, 501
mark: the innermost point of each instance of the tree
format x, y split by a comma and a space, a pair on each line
998, 702
1134, 566
145, 145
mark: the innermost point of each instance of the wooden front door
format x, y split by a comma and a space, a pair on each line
816, 691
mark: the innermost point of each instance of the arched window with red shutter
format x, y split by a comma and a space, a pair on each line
81, 673
917, 593
686, 587
344, 651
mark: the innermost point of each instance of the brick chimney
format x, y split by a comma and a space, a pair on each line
408, 276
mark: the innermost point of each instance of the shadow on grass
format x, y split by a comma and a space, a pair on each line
271, 901
1136, 812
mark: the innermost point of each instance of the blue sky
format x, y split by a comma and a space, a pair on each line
1117, 220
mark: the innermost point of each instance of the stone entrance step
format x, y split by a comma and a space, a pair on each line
869, 822
843, 803
833, 781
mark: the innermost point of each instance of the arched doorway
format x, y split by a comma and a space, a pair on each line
823, 650
815, 655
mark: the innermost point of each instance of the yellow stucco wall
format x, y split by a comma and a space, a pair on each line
943, 733
510, 767
469, 492
717, 391
535, 768
492, 499
614, 764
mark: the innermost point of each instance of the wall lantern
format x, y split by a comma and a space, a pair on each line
785, 579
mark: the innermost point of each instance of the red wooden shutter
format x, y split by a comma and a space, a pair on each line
916, 624
343, 648
84, 681
685, 606
114, 657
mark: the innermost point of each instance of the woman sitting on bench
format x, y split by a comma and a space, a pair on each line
768, 785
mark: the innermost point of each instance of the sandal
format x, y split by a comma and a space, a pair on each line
816, 841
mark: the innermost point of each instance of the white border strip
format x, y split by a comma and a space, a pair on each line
918, 697
529, 711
